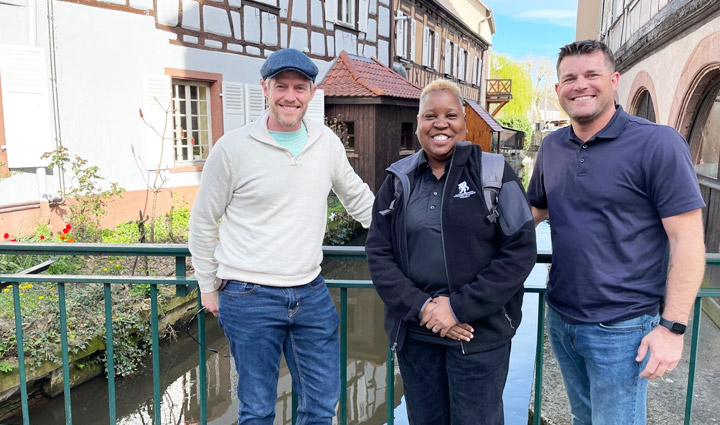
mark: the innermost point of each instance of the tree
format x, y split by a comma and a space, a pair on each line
542, 73
504, 67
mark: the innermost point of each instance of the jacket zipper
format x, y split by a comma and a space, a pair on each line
507, 316
442, 233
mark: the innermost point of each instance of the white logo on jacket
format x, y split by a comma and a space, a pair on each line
464, 191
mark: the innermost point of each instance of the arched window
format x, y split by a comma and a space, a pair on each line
643, 106
705, 132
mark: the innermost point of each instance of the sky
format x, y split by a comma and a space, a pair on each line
532, 27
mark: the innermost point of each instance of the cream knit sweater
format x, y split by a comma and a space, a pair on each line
272, 207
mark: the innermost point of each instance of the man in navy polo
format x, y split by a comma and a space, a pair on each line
623, 202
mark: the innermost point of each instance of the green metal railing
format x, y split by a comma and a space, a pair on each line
182, 282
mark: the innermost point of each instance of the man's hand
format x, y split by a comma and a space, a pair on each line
210, 302
665, 352
439, 319
461, 331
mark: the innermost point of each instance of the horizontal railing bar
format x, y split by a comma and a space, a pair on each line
77, 248
38, 268
113, 279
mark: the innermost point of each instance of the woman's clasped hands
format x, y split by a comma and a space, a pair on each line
438, 317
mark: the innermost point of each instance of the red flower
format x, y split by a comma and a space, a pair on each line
6, 235
66, 230
13, 240
42, 237
69, 227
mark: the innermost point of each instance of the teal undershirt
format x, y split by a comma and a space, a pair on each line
294, 141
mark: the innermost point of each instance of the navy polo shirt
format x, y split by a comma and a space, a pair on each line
606, 198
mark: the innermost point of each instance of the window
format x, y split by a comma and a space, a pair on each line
462, 65
407, 136
401, 34
450, 58
705, 134
644, 106
350, 135
346, 11
191, 120
428, 47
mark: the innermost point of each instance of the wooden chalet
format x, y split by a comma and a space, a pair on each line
377, 108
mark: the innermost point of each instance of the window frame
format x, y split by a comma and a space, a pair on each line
216, 125
342, 9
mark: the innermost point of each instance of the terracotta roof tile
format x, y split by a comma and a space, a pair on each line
355, 76
485, 115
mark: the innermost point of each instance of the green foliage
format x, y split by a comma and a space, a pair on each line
86, 187
518, 122
340, 225
6, 367
503, 66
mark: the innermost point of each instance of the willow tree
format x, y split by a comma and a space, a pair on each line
504, 67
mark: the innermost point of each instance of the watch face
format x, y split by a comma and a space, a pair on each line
678, 328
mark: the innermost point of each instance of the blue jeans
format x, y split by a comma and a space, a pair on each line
261, 322
598, 366
443, 386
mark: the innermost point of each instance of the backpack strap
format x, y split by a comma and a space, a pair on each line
398, 190
493, 168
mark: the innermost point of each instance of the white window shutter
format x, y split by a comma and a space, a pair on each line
413, 27
331, 10
233, 105
426, 47
362, 15
466, 75
316, 107
480, 72
448, 57
460, 64
455, 61
475, 71
254, 102
436, 65
158, 116
400, 35
25, 105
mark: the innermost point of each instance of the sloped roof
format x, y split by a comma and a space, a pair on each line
485, 115
355, 76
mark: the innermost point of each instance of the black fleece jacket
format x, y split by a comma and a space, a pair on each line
487, 263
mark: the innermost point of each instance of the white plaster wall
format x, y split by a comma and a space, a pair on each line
665, 67
101, 55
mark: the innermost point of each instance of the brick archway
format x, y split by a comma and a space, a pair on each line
699, 70
643, 82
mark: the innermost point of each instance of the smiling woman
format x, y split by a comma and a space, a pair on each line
441, 123
450, 276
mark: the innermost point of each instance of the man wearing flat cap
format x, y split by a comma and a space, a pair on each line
259, 270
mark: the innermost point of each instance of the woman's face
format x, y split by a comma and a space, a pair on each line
441, 123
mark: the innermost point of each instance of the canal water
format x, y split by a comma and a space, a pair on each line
366, 372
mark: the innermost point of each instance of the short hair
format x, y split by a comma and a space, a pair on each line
438, 85
586, 47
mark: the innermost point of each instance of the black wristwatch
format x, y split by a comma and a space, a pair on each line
674, 327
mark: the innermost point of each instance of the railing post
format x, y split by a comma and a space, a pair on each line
342, 414
109, 352
390, 373
157, 406
65, 356
21, 354
697, 314
202, 363
180, 271
539, 343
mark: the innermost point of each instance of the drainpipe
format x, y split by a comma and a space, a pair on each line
54, 97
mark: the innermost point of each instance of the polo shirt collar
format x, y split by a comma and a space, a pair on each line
611, 130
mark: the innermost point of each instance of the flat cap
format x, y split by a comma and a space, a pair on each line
288, 60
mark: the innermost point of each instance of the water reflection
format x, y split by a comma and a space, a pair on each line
366, 371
